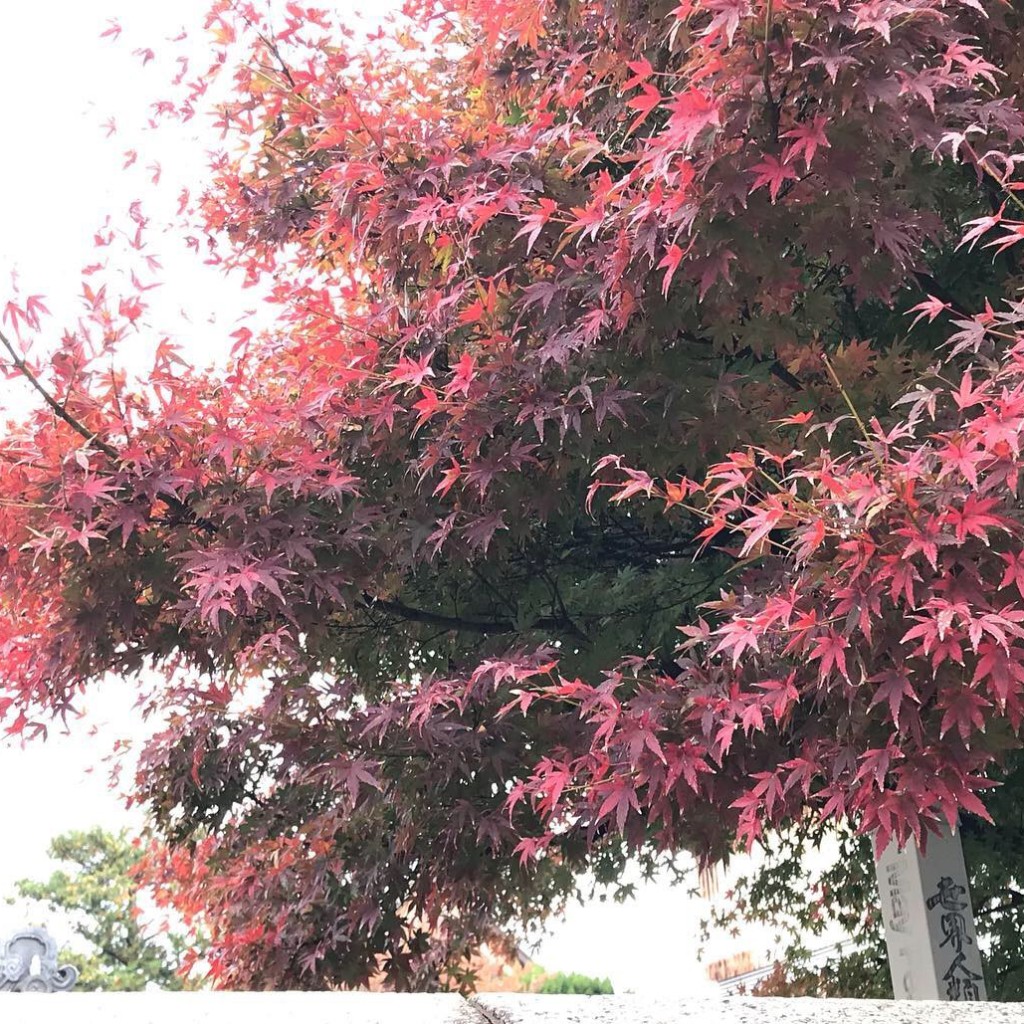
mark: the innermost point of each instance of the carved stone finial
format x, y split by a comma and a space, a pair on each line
28, 963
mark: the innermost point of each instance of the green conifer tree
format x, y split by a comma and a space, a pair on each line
95, 893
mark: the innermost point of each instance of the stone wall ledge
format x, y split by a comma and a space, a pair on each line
521, 1009
385, 1008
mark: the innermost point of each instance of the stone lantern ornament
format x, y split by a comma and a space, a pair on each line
28, 963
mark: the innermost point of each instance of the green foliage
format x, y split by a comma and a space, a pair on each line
97, 894
531, 978
574, 984
802, 905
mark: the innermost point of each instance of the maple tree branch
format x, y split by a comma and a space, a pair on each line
270, 45
848, 400
773, 105
404, 611
775, 368
557, 594
780, 372
492, 588
930, 286
58, 410
295, 91
851, 305
454, 622
115, 393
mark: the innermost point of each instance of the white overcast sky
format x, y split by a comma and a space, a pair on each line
60, 176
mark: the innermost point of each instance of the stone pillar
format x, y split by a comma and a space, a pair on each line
929, 923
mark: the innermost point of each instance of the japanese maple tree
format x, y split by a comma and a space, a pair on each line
555, 285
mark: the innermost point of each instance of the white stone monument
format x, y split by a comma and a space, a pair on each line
929, 923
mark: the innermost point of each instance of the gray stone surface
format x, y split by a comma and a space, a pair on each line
239, 1008
518, 1009
28, 963
374, 1008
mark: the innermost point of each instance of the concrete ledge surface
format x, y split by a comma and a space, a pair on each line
235, 1008
386, 1008
535, 1009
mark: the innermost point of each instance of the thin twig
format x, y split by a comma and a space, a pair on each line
846, 398
773, 107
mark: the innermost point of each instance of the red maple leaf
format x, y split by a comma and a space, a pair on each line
808, 137
774, 173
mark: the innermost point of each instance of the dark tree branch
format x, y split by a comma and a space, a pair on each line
1013, 901
564, 612
775, 368
501, 598
780, 372
58, 410
773, 105
454, 622
936, 290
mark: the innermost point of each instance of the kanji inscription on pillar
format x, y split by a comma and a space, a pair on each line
929, 923
951, 903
